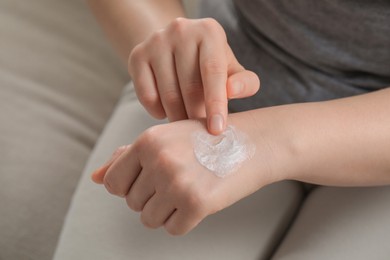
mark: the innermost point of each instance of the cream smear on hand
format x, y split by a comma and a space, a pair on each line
225, 153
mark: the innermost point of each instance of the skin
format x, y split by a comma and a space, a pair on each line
181, 68
159, 176
343, 142
188, 70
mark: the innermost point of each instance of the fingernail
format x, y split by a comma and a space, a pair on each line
216, 123
236, 88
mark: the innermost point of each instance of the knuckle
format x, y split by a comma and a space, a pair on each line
174, 230
212, 26
147, 222
173, 180
108, 184
132, 204
148, 98
215, 103
135, 56
179, 25
150, 136
164, 159
192, 88
213, 67
171, 97
158, 37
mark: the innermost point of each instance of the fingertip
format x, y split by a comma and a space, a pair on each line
97, 176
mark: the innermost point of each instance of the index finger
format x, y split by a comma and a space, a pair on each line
213, 68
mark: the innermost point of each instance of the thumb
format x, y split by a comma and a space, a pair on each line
98, 175
242, 84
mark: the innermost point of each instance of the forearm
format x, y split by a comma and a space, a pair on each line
344, 142
128, 22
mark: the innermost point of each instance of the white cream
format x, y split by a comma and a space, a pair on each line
222, 154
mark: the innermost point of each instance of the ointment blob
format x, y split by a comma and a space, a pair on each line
222, 154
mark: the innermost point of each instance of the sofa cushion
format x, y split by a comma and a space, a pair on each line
59, 81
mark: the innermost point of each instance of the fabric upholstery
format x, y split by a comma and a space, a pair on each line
59, 81
340, 223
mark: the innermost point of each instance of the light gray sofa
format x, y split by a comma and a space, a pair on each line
59, 83
60, 86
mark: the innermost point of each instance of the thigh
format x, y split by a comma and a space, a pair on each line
340, 223
100, 226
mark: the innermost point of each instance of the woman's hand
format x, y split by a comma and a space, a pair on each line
159, 176
342, 142
188, 70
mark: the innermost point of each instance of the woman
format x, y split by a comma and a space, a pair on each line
188, 69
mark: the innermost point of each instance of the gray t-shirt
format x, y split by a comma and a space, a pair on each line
308, 50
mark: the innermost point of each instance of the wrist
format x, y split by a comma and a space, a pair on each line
277, 149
